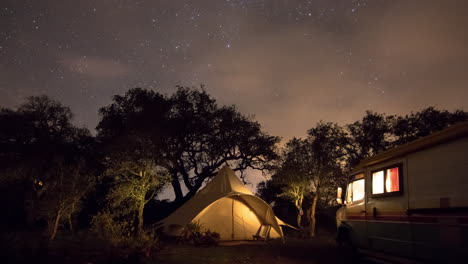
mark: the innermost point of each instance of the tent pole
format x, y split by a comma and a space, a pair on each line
232, 212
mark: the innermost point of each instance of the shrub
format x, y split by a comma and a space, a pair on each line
121, 239
195, 234
108, 229
194, 227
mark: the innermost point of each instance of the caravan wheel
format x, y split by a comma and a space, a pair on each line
347, 249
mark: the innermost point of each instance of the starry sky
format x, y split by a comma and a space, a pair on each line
290, 63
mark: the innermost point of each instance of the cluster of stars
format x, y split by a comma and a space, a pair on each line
120, 44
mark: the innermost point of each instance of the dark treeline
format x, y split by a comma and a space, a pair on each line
58, 179
309, 170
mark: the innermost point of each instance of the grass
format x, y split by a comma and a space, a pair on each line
84, 248
317, 250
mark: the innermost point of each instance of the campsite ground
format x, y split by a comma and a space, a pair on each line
86, 249
321, 249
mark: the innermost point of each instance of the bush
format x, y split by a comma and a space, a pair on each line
111, 231
195, 234
194, 227
121, 239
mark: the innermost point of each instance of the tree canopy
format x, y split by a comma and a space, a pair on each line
187, 133
48, 158
311, 169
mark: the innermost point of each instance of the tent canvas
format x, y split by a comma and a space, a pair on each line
227, 207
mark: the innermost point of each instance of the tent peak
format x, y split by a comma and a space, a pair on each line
226, 182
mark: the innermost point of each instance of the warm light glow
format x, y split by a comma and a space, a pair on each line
355, 191
39, 183
359, 176
358, 190
349, 193
392, 180
378, 182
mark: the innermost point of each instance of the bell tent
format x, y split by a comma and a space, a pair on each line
227, 207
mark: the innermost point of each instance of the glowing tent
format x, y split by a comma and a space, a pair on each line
226, 206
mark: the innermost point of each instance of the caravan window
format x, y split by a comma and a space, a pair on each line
386, 180
355, 190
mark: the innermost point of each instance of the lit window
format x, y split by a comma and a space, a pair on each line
392, 180
386, 181
377, 182
356, 189
349, 193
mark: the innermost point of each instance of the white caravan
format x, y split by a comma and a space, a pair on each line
411, 202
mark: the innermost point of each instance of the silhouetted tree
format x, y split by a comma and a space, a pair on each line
326, 161
42, 151
369, 136
423, 123
291, 176
269, 190
188, 134
312, 167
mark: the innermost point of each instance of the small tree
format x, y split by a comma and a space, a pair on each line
295, 183
326, 143
295, 192
61, 193
136, 182
314, 166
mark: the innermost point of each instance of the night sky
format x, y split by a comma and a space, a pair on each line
290, 63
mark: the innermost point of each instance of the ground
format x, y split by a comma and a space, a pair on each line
321, 249
87, 249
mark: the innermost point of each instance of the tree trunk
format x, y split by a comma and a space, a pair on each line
141, 208
177, 189
53, 232
298, 204
299, 218
70, 224
70, 217
312, 216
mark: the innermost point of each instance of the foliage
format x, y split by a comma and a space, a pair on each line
119, 235
314, 167
369, 136
135, 183
194, 233
378, 132
270, 190
50, 158
187, 133
61, 195
416, 125
108, 229
194, 227
295, 185
146, 139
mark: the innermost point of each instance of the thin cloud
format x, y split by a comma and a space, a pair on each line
95, 67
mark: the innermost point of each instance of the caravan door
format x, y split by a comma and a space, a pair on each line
388, 226
355, 214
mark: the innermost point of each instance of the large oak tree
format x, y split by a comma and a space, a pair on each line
188, 133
